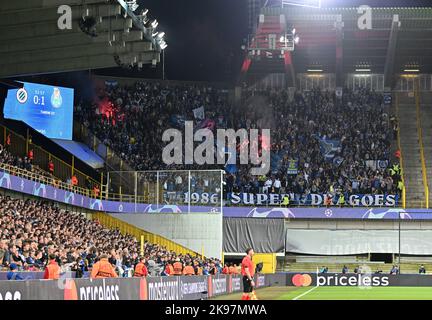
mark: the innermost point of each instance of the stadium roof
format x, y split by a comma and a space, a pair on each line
103, 34
389, 47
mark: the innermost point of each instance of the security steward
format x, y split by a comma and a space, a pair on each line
248, 272
188, 270
198, 269
169, 269
52, 270
285, 201
178, 268
103, 269
141, 269
341, 200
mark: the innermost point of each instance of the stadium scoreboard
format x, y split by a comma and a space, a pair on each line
47, 109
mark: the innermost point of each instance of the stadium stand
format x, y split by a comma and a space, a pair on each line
299, 131
32, 230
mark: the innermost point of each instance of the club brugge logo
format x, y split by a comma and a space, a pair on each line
22, 95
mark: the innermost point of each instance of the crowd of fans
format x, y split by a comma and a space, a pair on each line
32, 231
19, 162
131, 120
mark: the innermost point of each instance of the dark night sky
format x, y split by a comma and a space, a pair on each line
205, 37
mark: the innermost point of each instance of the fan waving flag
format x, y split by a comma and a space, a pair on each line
329, 148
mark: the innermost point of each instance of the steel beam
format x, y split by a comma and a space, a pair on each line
74, 51
391, 53
65, 65
49, 29
50, 15
69, 39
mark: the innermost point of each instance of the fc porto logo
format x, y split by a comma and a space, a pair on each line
56, 98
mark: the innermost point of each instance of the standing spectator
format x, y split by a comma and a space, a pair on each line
51, 167
52, 270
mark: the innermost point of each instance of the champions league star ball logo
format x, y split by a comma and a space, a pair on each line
328, 212
56, 98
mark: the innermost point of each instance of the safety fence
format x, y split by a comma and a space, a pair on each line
150, 288
19, 146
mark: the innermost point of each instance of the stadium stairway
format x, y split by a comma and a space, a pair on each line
410, 148
141, 235
426, 122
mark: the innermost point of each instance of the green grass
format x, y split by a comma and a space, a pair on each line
339, 293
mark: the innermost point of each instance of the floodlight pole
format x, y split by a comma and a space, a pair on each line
399, 241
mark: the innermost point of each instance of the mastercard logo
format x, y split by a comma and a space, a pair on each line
70, 290
143, 289
301, 280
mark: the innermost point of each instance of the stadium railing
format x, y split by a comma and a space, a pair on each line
20, 146
401, 157
49, 180
420, 137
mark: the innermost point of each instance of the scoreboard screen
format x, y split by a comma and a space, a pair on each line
47, 109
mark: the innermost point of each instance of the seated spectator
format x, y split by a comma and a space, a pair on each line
394, 270
13, 274
33, 233
422, 269
345, 269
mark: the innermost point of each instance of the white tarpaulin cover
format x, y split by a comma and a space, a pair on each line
343, 242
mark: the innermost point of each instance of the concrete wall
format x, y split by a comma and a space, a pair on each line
195, 231
357, 224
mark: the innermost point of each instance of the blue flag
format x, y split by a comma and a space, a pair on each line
329, 148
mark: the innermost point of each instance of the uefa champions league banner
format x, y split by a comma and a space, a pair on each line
148, 288
252, 210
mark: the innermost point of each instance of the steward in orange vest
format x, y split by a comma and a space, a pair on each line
178, 268
74, 181
233, 270
225, 270
199, 271
141, 269
189, 270
51, 167
30, 155
103, 269
52, 270
96, 191
169, 270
